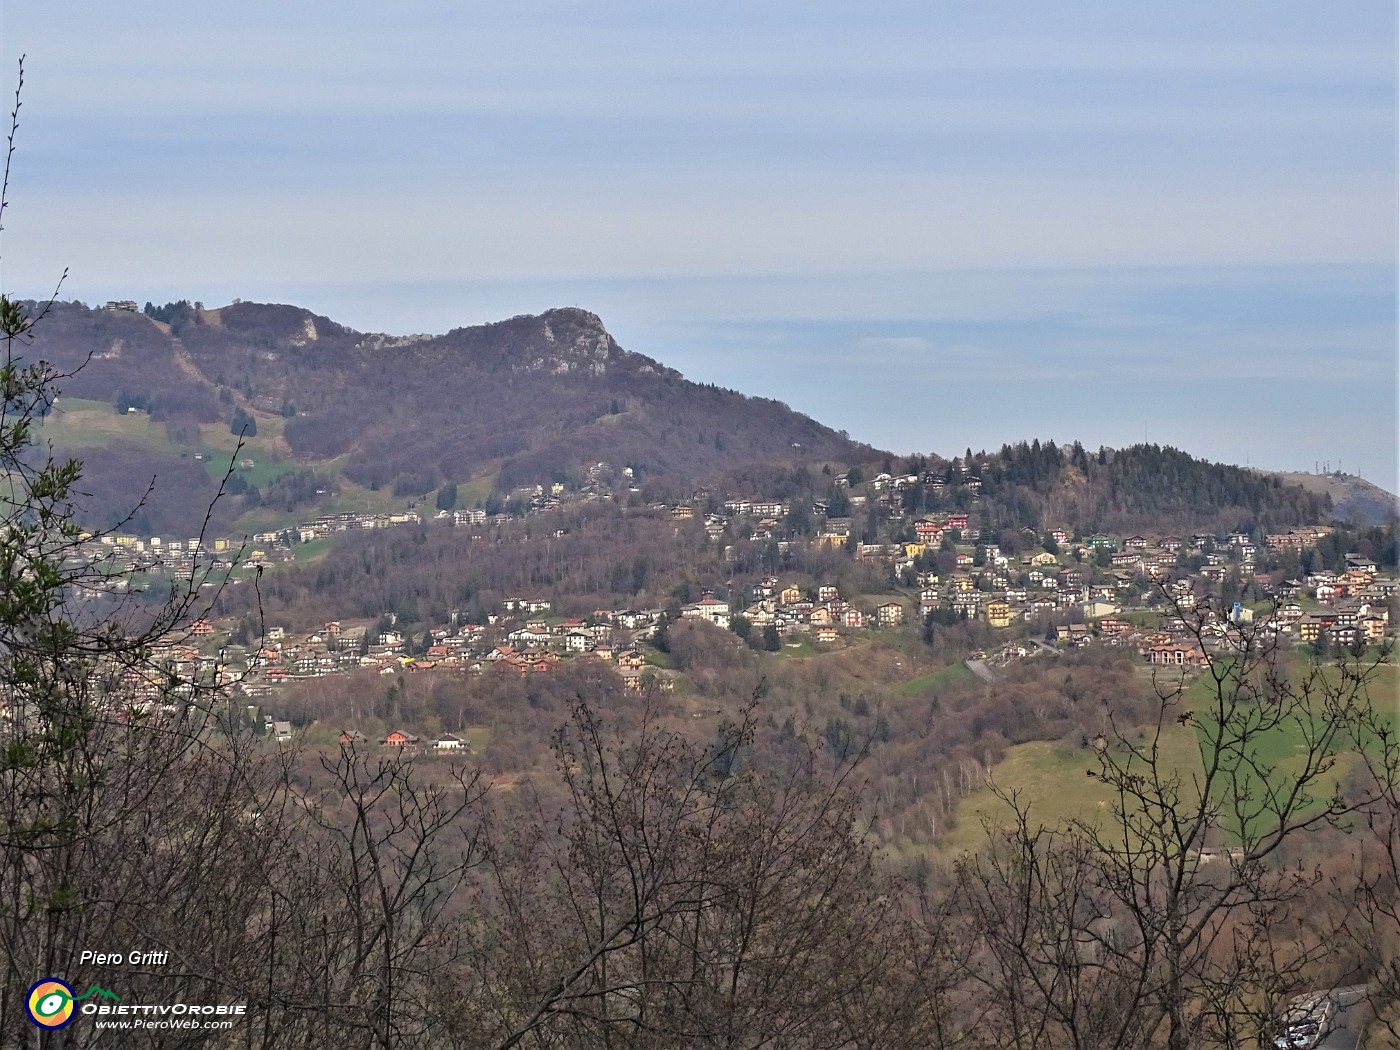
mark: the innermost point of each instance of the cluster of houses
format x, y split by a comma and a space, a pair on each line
115, 557
511, 643
1088, 589
823, 613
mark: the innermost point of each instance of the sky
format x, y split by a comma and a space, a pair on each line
935, 225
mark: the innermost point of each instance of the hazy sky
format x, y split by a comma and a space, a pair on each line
932, 224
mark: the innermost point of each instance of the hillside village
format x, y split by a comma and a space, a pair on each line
1048, 592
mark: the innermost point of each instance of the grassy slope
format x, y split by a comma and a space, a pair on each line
78, 423
1050, 775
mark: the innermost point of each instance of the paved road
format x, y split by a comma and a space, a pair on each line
981, 670
1353, 1012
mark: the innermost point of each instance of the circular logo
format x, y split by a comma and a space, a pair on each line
50, 1003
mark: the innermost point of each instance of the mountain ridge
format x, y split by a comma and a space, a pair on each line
334, 419
529, 399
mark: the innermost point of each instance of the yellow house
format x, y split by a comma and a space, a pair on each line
914, 550
788, 595
999, 613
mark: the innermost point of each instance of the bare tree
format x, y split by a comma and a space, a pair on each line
1178, 913
682, 897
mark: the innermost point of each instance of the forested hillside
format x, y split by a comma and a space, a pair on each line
524, 401
1140, 487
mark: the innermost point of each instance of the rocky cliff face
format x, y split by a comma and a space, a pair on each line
564, 341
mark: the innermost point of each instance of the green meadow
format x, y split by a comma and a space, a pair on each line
1051, 776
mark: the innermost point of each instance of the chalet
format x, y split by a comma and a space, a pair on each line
957, 521
351, 737
827, 593
1345, 635
853, 617
1296, 539
999, 612
449, 742
710, 609
929, 532
528, 636
827, 635
1176, 654
1355, 580
631, 660
790, 596
890, 614
966, 604
1312, 626
398, 738
1075, 634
